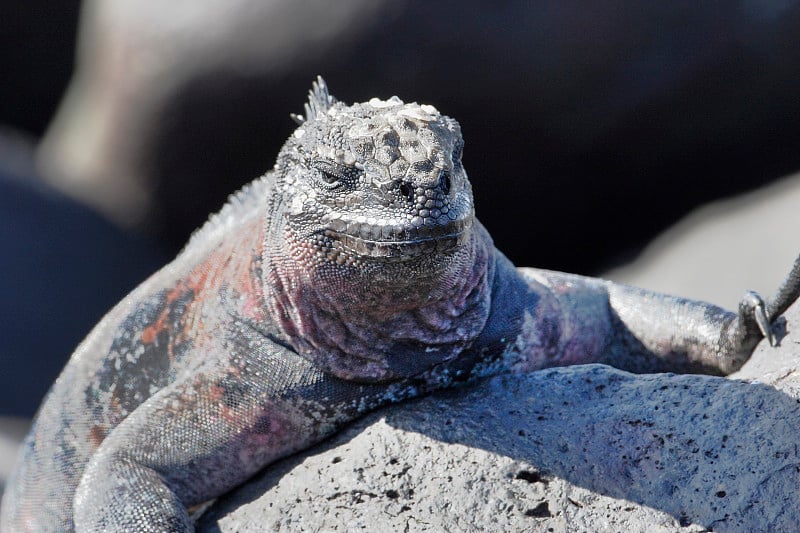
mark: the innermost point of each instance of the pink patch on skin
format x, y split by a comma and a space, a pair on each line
580, 306
269, 442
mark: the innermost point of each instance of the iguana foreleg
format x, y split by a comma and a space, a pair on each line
644, 331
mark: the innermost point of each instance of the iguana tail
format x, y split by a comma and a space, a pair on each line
787, 293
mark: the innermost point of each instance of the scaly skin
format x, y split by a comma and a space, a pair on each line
352, 275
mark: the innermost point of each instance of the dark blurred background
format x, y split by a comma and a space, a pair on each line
589, 128
37, 54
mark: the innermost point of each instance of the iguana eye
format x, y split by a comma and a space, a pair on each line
330, 180
328, 175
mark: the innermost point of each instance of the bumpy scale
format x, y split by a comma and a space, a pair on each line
352, 275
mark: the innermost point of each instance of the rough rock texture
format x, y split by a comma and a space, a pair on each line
584, 448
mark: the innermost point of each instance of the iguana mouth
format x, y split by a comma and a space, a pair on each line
403, 243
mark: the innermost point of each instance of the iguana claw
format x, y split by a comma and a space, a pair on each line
760, 316
753, 307
787, 293
753, 314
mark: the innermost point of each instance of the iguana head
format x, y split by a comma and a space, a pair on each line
378, 226
380, 181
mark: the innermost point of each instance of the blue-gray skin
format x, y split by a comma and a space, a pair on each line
352, 275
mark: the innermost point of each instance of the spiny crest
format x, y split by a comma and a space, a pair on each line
319, 102
240, 207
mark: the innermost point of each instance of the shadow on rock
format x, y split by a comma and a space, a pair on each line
709, 451
706, 450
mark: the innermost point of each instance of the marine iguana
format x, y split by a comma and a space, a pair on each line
352, 275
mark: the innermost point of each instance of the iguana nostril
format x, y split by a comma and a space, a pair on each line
444, 182
407, 191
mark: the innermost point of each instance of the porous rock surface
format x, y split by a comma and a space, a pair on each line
585, 448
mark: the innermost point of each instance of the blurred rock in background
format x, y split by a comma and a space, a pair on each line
724, 248
63, 268
589, 128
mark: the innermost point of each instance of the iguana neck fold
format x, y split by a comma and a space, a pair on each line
383, 321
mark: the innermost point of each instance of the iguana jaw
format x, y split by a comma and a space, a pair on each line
403, 245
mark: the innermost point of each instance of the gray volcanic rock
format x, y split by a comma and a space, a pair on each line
585, 448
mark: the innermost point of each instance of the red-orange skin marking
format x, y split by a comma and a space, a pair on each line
221, 273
